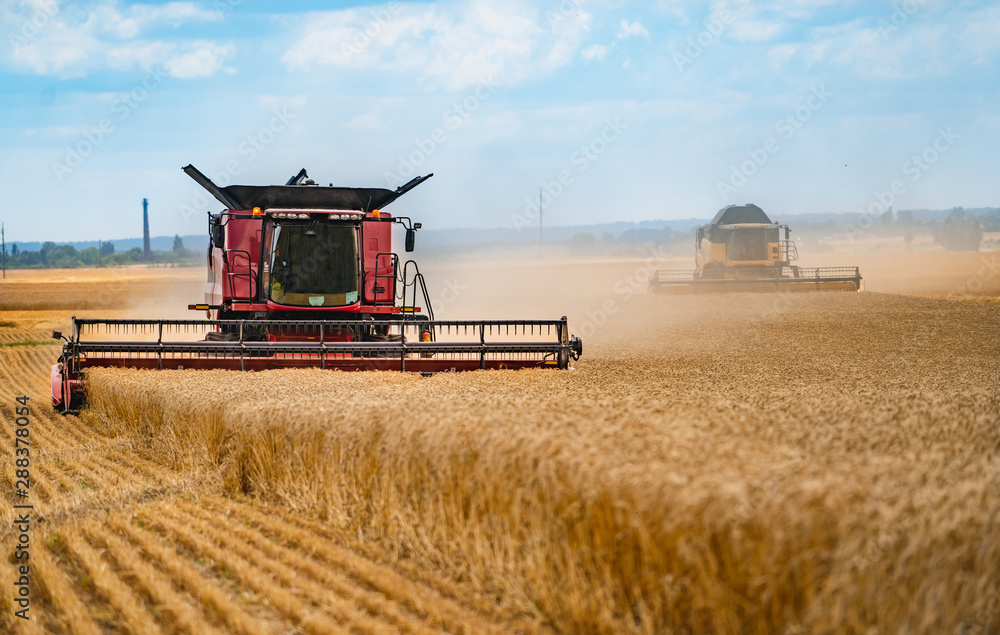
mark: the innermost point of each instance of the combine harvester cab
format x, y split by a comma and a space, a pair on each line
302, 276
743, 250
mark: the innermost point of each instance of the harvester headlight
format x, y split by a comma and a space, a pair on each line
303, 216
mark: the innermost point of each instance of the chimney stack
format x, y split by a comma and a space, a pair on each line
145, 228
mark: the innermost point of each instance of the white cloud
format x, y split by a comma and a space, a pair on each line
630, 29
366, 121
674, 8
205, 60
108, 19
596, 52
794, 10
48, 37
141, 54
754, 30
913, 51
282, 101
780, 54
453, 44
55, 132
979, 39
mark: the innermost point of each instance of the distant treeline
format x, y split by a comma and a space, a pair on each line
961, 230
55, 256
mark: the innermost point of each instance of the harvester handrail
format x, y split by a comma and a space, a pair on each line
418, 280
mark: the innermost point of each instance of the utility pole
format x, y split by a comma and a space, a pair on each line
541, 231
3, 241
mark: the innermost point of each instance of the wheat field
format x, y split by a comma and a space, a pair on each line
729, 464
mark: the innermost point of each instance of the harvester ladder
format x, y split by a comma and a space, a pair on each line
789, 250
230, 274
390, 277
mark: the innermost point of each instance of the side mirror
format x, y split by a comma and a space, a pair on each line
411, 237
218, 236
700, 234
788, 232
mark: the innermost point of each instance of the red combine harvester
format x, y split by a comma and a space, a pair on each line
305, 276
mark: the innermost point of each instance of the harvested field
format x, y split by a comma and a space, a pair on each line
732, 464
80, 290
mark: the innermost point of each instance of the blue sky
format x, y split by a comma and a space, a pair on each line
620, 110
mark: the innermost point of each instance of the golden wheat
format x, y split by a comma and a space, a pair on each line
804, 470
737, 464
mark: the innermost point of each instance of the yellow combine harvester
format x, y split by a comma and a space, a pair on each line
743, 250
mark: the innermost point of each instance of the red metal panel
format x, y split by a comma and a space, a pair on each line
377, 239
56, 380
67, 389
